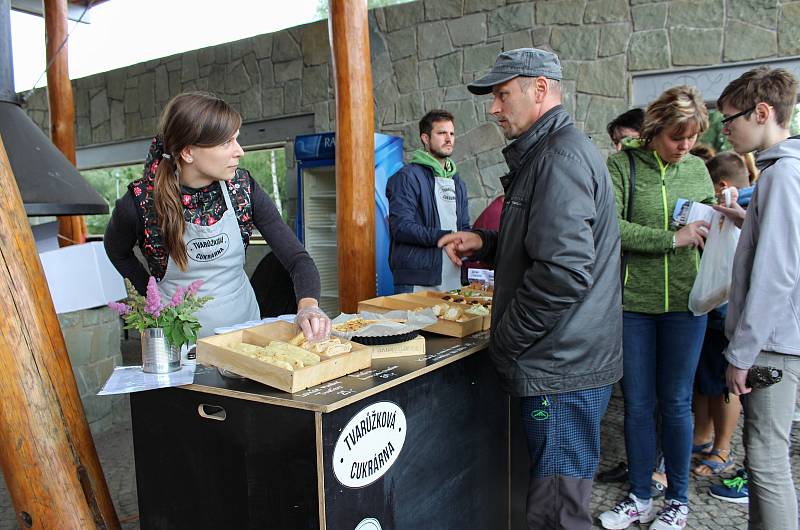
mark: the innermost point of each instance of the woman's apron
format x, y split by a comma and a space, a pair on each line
216, 256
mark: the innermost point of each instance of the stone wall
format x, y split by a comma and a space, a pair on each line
424, 52
92, 337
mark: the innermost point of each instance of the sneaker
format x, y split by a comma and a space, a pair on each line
672, 516
732, 489
628, 511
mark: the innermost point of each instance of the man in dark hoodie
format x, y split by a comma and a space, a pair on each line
557, 318
427, 199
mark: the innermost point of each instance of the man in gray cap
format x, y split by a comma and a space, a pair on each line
557, 312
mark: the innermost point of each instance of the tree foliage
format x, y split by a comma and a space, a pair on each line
112, 183
322, 6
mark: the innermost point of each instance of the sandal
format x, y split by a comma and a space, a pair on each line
710, 468
702, 449
657, 488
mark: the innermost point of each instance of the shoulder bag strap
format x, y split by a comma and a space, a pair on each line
628, 211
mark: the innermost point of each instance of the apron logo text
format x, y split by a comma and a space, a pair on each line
207, 249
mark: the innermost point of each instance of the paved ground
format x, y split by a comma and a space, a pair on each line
115, 449
707, 512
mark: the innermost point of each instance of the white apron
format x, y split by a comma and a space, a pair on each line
445, 193
216, 256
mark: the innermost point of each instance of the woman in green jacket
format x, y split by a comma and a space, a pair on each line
661, 338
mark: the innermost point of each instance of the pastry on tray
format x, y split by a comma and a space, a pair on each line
280, 354
329, 347
447, 312
354, 327
478, 309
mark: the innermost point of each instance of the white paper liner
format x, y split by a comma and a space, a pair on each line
386, 327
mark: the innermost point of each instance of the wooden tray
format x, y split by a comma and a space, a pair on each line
441, 294
409, 302
214, 351
479, 288
438, 297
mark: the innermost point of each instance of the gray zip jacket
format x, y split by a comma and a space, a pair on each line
764, 307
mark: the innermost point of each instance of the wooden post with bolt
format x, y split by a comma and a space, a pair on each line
47, 453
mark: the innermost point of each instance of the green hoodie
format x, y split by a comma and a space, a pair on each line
657, 279
424, 158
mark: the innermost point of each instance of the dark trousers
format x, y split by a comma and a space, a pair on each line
563, 433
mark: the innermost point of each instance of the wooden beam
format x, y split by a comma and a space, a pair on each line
47, 453
355, 151
71, 229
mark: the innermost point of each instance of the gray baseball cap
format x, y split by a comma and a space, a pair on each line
525, 62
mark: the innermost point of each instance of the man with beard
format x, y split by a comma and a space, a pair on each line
557, 315
427, 199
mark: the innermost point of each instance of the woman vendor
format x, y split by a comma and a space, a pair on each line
192, 214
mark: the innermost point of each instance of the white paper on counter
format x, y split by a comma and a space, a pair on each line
414, 320
126, 379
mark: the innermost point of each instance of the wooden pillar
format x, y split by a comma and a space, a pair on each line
72, 229
355, 151
47, 453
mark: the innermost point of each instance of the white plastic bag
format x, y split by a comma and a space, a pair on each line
713, 282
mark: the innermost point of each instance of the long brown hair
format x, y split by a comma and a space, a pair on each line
191, 118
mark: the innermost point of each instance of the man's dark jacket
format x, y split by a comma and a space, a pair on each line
557, 316
414, 224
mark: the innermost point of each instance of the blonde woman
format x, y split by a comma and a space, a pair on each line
661, 338
192, 214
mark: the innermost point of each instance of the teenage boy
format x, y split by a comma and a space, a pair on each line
763, 325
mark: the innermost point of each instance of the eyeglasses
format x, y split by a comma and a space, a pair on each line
726, 120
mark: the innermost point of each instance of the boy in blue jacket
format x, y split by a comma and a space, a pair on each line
427, 199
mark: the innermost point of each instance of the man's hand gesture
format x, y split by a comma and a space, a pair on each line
459, 245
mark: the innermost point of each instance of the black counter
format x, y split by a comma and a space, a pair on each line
410, 443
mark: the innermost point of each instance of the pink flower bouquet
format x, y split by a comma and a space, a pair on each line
176, 317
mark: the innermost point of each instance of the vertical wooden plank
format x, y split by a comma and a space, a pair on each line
320, 469
72, 229
355, 151
47, 453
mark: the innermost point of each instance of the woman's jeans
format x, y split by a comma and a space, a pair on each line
660, 358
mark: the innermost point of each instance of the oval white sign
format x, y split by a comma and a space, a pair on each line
204, 249
370, 523
369, 444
